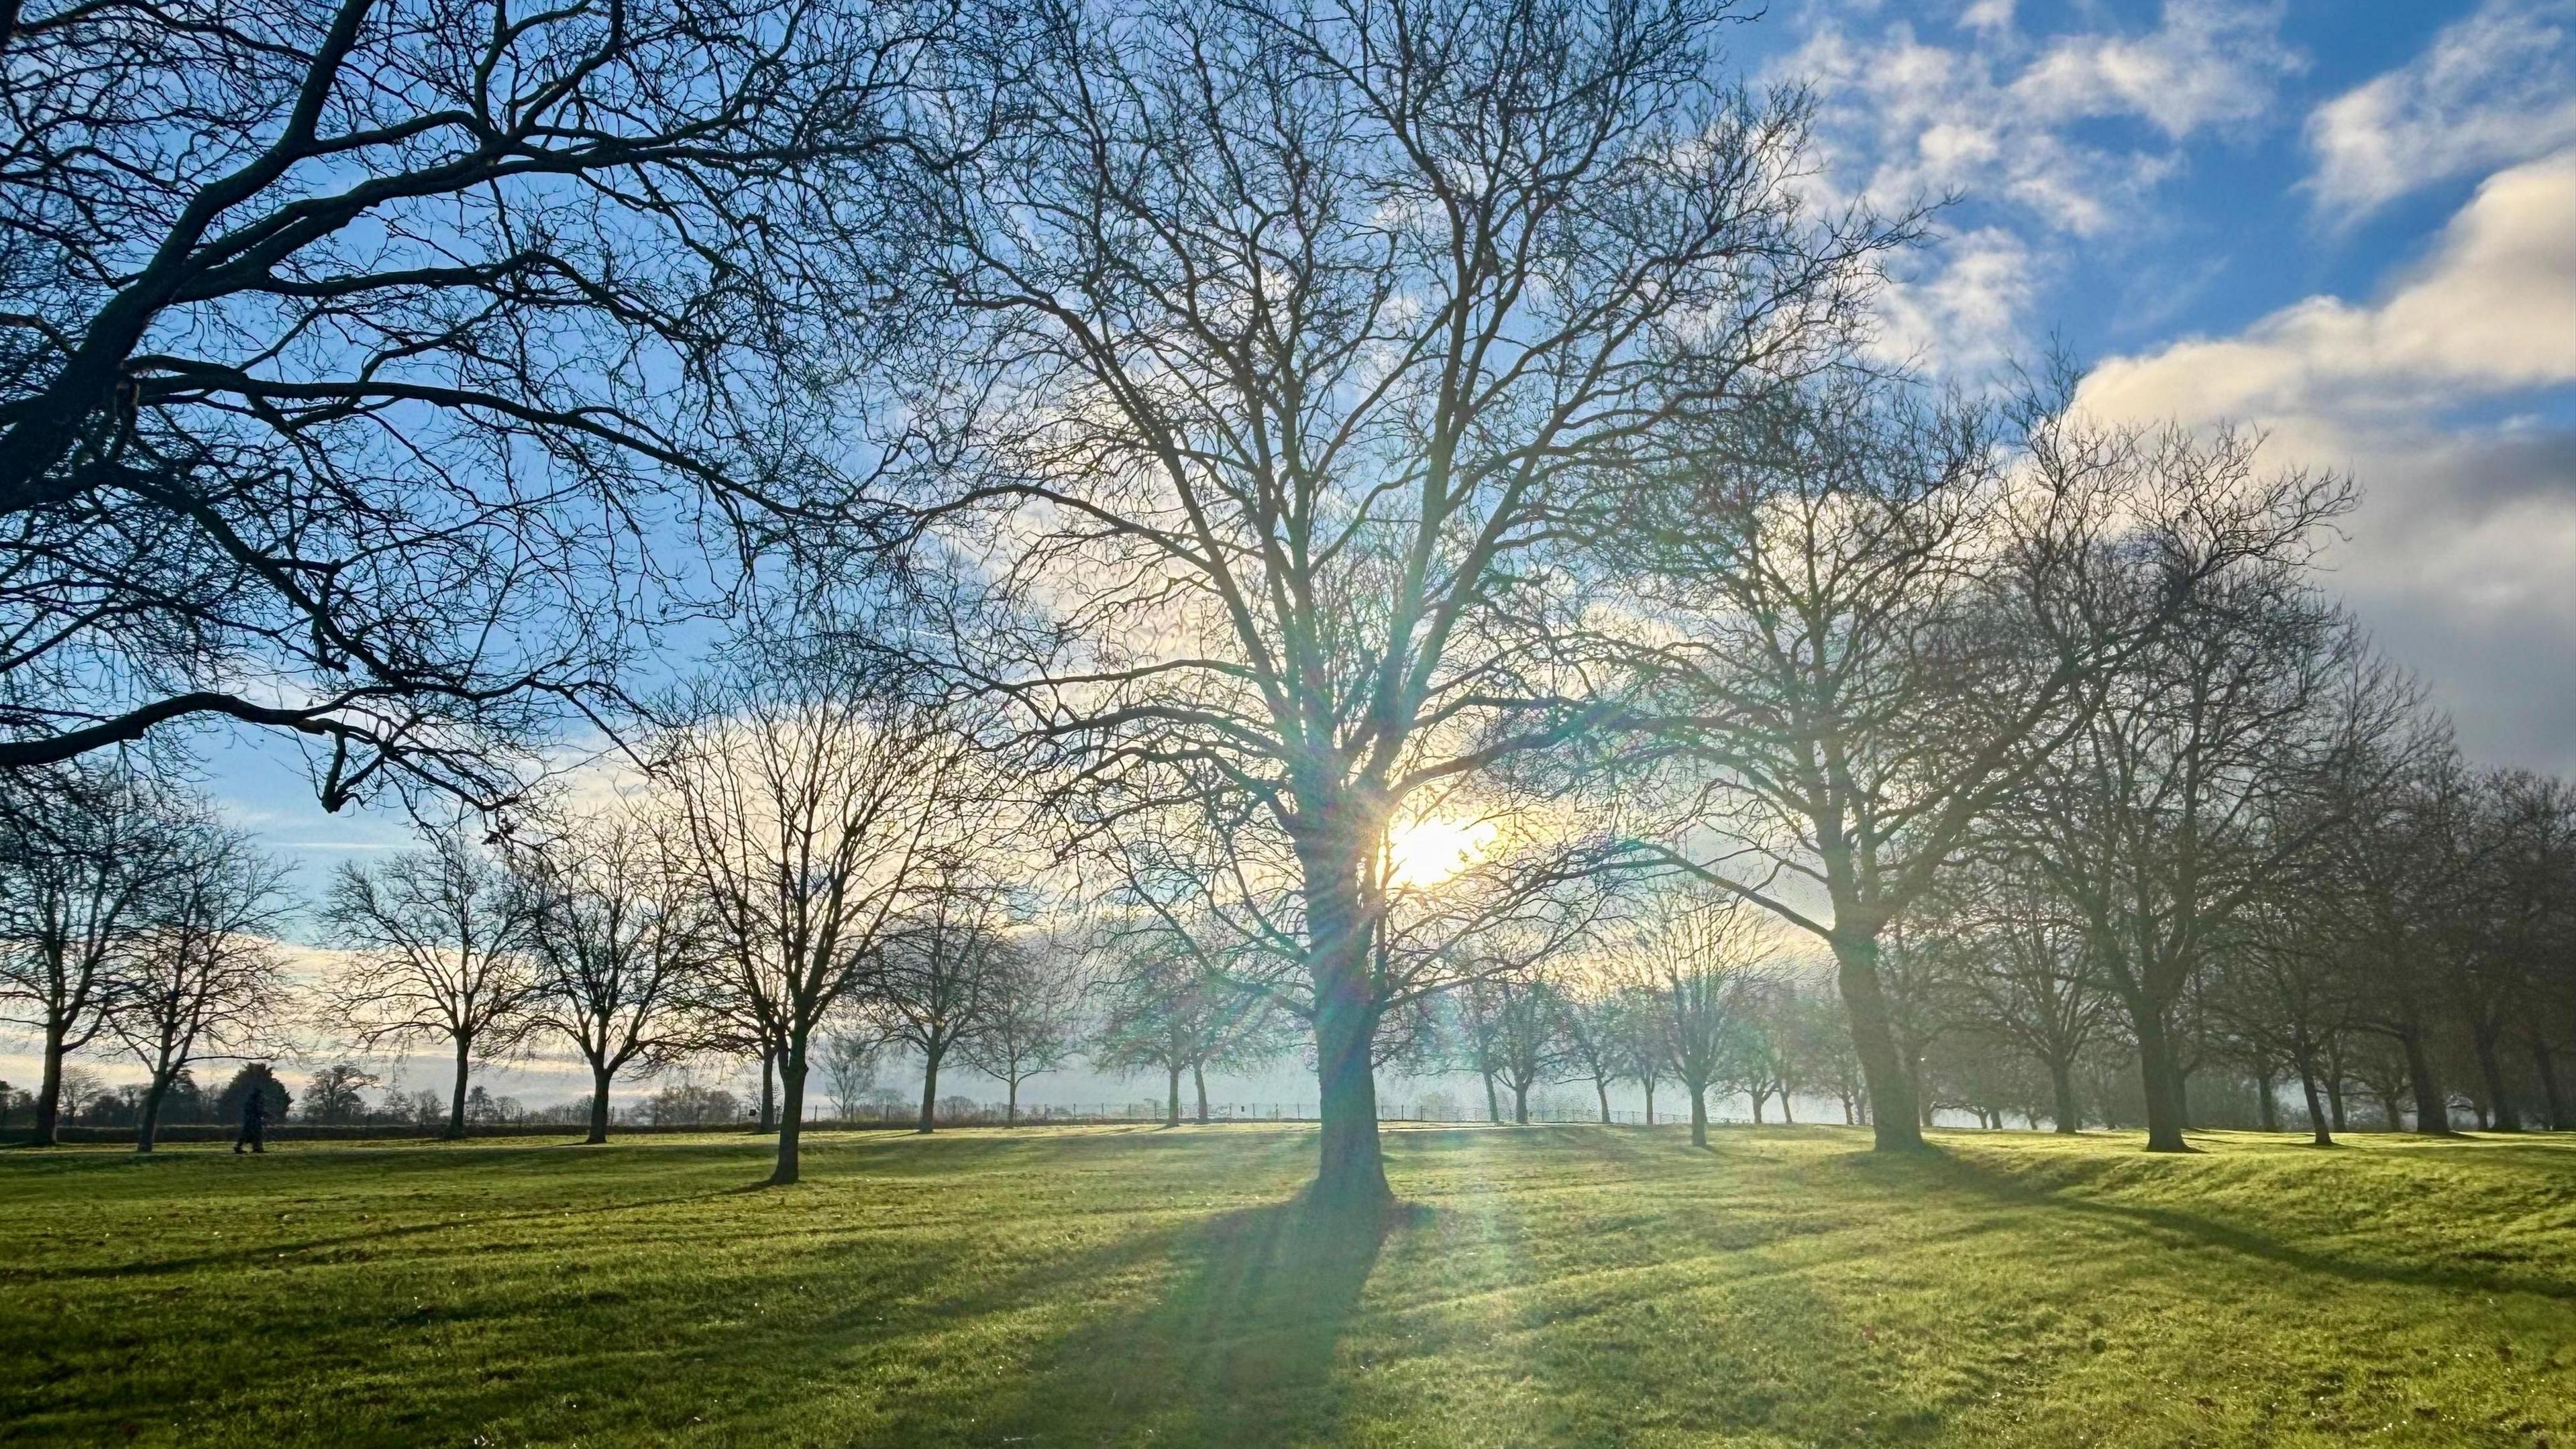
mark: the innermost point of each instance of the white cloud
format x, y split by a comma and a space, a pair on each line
2208, 62
2463, 556
2493, 310
2493, 89
1964, 312
1994, 119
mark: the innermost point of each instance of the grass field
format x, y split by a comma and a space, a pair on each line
1541, 1286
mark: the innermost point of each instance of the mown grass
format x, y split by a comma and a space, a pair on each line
1541, 1286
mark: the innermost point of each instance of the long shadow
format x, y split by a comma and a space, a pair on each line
1241, 1351
1967, 1172
263, 1251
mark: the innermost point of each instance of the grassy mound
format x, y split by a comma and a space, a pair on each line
1539, 1286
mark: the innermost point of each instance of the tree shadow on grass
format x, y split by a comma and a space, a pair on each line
1242, 1350
2217, 1233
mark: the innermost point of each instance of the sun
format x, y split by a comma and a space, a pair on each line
1424, 852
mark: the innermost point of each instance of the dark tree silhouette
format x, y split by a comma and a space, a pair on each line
355, 352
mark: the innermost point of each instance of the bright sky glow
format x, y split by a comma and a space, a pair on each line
1423, 853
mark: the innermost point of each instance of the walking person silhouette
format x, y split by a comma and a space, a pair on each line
254, 1113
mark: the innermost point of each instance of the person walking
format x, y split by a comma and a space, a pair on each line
254, 1114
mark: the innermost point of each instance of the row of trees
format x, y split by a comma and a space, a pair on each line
1207, 446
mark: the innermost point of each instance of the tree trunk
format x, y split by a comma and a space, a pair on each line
1699, 1113
1198, 1080
2545, 1061
2162, 1080
1650, 1104
768, 1089
49, 1090
1894, 1104
1011, 1102
600, 1073
1350, 1171
929, 1091
791, 1117
2061, 1088
1493, 1102
2335, 1111
2491, 1067
2432, 1109
2267, 1113
456, 1098
2305, 1058
1520, 1104
1603, 1088
1786, 1119
1757, 1094
1172, 1096
147, 1126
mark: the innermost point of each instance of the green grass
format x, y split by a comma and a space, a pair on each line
1542, 1286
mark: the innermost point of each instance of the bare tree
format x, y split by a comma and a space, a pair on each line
1592, 1017
1167, 1004
2019, 960
210, 976
616, 936
1528, 1034
83, 865
812, 800
1296, 325
935, 978
851, 1060
1033, 1016
2207, 776
1861, 623
356, 351
437, 948
1701, 957
1638, 1019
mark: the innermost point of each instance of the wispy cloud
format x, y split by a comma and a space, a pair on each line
2054, 136
2493, 89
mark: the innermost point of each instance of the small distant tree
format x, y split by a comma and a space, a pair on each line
1703, 957
209, 975
84, 856
1639, 1023
437, 949
1167, 1007
1592, 1022
1032, 1019
337, 1094
934, 981
253, 1077
615, 938
1529, 1037
851, 1060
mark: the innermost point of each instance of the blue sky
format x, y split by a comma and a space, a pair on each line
2350, 222
2353, 224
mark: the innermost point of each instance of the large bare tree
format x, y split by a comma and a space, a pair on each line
362, 360
85, 856
436, 948
617, 934
814, 802
1297, 324
211, 975
2206, 779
